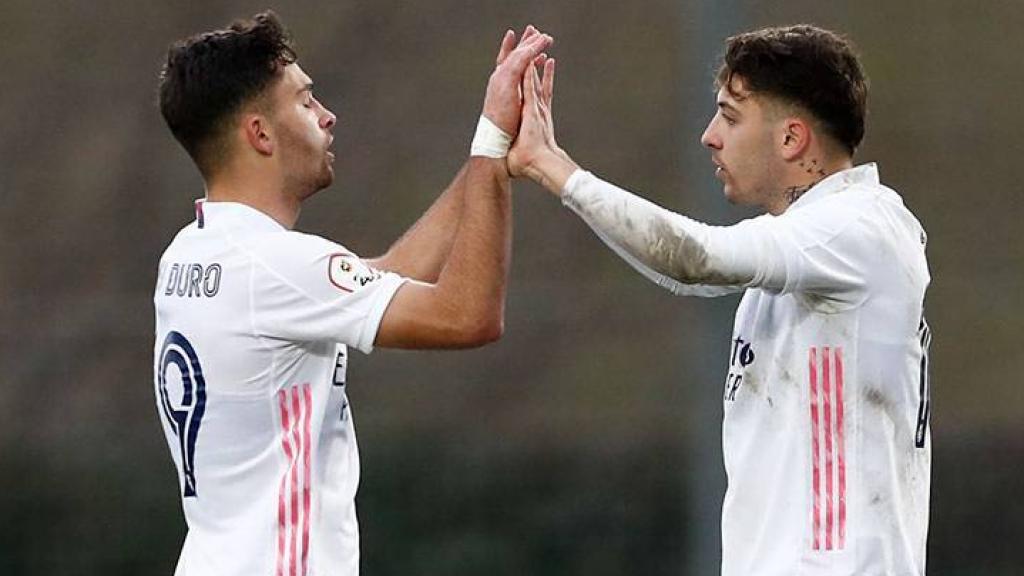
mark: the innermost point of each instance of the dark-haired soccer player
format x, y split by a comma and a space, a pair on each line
826, 436
253, 319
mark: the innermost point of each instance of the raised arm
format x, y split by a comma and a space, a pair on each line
670, 249
422, 251
465, 306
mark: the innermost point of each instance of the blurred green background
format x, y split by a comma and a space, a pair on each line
587, 441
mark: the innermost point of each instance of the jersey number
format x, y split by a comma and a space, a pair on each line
184, 420
924, 408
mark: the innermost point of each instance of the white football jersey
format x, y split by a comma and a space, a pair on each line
252, 327
826, 437
826, 433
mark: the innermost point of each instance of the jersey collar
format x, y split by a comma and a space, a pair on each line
863, 174
234, 214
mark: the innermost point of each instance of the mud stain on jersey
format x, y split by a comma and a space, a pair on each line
669, 243
751, 383
821, 303
874, 397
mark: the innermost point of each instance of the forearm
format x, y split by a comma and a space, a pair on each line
421, 252
666, 242
473, 279
551, 169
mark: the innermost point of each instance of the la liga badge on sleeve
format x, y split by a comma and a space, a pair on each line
349, 273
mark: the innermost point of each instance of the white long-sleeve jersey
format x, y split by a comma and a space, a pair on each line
826, 432
252, 327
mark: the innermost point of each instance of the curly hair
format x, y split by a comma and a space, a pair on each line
207, 78
810, 67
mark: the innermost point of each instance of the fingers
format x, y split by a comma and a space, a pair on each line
528, 33
531, 89
507, 44
527, 51
548, 81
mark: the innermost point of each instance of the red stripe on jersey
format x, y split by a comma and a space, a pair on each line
306, 448
282, 526
815, 448
294, 492
841, 447
826, 374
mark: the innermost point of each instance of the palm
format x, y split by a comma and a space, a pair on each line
536, 129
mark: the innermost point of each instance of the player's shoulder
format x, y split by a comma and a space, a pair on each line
290, 250
290, 243
851, 209
310, 262
882, 211
180, 242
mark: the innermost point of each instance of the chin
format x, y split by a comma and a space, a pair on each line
326, 179
730, 194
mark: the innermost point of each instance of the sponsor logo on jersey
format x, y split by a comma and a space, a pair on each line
349, 273
741, 357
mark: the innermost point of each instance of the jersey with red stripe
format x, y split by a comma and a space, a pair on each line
253, 324
826, 436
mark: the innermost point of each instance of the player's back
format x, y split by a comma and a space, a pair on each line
251, 322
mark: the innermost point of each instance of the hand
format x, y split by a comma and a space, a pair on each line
503, 101
535, 152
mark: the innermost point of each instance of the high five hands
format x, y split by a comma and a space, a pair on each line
504, 100
535, 153
518, 102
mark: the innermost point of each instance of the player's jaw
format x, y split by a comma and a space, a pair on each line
725, 176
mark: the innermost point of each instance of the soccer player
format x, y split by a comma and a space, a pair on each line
826, 436
254, 320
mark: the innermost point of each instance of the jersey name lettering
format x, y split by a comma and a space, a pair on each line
193, 280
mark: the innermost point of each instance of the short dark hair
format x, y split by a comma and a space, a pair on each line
207, 78
804, 65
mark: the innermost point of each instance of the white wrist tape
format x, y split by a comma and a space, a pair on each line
489, 140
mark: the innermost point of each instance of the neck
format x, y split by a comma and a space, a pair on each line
264, 193
804, 174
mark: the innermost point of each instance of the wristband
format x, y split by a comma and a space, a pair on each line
489, 140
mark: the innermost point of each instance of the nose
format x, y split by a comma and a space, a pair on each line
328, 120
710, 138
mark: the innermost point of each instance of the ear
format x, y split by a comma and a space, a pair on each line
795, 137
258, 133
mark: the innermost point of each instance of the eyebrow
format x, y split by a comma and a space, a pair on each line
729, 107
308, 86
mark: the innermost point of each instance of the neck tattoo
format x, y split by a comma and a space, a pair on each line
812, 167
795, 192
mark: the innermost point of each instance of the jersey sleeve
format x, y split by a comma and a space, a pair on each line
308, 289
819, 248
